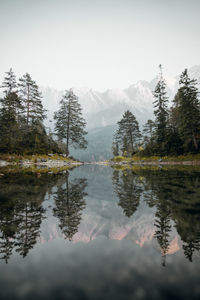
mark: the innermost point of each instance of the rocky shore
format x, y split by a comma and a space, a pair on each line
47, 162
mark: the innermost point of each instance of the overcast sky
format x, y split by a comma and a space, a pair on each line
98, 43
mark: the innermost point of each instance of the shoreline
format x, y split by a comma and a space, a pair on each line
36, 164
153, 163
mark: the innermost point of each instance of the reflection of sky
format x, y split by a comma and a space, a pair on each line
111, 256
99, 44
102, 269
103, 217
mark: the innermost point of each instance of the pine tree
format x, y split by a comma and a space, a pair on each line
148, 129
186, 112
9, 113
70, 124
115, 147
9, 84
128, 132
161, 113
31, 99
148, 134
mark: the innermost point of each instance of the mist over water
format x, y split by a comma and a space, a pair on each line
101, 233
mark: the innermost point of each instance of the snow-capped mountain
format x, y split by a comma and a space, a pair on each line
103, 109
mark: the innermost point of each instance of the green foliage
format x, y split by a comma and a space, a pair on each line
32, 108
161, 113
128, 133
21, 118
70, 124
119, 158
186, 113
176, 130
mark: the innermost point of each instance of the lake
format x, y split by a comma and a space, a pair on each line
96, 232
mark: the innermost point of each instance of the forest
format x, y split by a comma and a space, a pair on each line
22, 120
175, 129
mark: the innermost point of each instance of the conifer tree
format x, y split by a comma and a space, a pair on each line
148, 129
9, 113
9, 84
70, 125
148, 136
187, 113
128, 133
161, 113
31, 99
115, 147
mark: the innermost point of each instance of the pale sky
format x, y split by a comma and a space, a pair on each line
98, 43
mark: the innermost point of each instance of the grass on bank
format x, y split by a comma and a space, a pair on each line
33, 158
134, 158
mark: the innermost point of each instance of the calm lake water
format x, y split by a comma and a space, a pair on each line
99, 233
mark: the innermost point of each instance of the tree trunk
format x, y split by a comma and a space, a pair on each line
28, 108
68, 121
194, 141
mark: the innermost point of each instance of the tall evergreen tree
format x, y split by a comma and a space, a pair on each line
9, 84
31, 99
128, 132
115, 147
10, 105
148, 129
70, 125
161, 113
187, 113
149, 137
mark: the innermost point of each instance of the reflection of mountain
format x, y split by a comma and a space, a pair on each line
158, 208
166, 218
93, 226
99, 144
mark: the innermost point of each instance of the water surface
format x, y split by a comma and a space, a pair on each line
99, 233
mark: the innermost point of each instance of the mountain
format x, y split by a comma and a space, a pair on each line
102, 110
99, 145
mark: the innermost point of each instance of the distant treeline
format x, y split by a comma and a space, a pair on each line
175, 130
22, 119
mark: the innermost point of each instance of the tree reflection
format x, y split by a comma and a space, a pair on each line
162, 233
30, 215
7, 229
176, 195
128, 189
21, 212
69, 200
